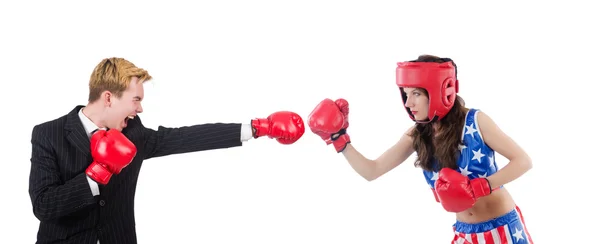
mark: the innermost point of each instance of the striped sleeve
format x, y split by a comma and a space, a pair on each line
52, 198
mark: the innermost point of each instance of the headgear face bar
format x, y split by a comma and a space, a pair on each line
439, 79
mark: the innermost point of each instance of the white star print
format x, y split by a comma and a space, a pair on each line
482, 176
435, 176
465, 171
461, 147
518, 234
477, 155
491, 161
471, 130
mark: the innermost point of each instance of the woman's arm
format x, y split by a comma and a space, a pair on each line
495, 138
373, 169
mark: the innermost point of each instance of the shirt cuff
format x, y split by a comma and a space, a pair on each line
246, 133
93, 186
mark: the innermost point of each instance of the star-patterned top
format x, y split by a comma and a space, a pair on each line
476, 160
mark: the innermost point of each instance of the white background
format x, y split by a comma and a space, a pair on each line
532, 67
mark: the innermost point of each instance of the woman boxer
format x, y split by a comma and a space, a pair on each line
455, 148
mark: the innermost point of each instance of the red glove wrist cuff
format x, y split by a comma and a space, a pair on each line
481, 187
340, 142
99, 173
260, 127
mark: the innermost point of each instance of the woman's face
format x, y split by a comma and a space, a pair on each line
418, 102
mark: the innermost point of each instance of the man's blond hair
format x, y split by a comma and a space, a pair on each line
114, 75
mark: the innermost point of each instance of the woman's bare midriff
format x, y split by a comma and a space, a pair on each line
499, 203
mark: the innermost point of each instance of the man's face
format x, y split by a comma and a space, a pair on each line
120, 110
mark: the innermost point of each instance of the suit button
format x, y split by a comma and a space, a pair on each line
102, 203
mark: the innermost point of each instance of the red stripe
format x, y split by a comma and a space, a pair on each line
455, 235
463, 237
487, 236
474, 239
524, 226
502, 234
456, 238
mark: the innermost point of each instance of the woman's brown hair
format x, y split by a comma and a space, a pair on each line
444, 143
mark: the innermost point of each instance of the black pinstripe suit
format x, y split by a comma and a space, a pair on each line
59, 190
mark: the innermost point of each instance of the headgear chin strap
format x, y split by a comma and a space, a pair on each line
439, 79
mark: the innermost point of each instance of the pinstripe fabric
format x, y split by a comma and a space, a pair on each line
61, 196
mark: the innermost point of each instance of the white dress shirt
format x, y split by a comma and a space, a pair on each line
89, 126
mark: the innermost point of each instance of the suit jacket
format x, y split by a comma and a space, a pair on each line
61, 195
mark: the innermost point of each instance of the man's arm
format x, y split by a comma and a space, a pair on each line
167, 141
284, 126
52, 198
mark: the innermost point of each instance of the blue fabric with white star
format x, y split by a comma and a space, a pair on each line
476, 160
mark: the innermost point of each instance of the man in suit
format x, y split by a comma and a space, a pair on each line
84, 192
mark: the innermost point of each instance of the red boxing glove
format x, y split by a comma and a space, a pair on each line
286, 127
112, 152
457, 192
329, 120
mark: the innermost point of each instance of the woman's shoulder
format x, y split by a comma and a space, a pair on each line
467, 109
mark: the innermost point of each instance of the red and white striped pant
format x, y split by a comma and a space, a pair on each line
507, 229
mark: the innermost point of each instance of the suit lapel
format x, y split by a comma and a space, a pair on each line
76, 134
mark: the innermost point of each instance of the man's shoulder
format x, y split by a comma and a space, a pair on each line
49, 126
54, 124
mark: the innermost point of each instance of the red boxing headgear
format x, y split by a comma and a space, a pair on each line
439, 79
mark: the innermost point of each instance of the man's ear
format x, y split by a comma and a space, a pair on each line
106, 97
